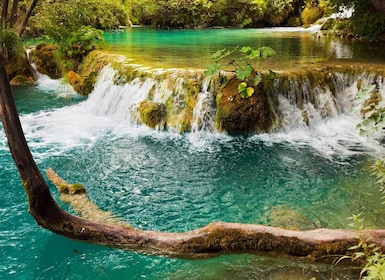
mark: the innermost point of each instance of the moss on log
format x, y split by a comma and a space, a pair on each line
221, 238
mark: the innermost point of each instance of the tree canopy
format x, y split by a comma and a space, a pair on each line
206, 13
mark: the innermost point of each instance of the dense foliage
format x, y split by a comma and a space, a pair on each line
75, 26
10, 43
366, 22
206, 13
107, 14
245, 66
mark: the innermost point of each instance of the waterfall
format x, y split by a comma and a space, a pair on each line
305, 99
310, 107
204, 111
308, 99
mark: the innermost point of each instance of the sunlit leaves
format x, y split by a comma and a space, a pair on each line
10, 42
244, 72
369, 103
266, 52
212, 70
244, 62
244, 90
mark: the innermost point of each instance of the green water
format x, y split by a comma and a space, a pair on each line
169, 182
193, 48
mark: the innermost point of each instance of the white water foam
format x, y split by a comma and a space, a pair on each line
111, 111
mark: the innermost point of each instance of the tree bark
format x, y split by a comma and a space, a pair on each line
379, 5
211, 240
15, 8
4, 12
28, 14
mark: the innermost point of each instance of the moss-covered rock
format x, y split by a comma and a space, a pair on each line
82, 85
152, 113
46, 62
242, 115
83, 81
21, 80
311, 14
19, 70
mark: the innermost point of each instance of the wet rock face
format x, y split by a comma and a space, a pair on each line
46, 63
20, 71
151, 113
82, 85
242, 115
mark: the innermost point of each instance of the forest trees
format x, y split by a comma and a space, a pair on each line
368, 19
207, 13
76, 26
19, 14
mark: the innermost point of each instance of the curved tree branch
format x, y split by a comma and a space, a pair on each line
211, 240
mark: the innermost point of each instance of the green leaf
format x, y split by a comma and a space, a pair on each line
221, 54
242, 87
242, 74
249, 91
212, 70
257, 80
254, 54
246, 49
267, 52
244, 90
272, 75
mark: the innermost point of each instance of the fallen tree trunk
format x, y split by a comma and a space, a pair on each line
211, 240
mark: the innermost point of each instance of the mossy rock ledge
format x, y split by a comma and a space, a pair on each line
243, 115
20, 71
45, 60
152, 113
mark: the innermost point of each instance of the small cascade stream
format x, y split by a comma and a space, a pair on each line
307, 106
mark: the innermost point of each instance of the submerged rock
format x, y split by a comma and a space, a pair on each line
242, 115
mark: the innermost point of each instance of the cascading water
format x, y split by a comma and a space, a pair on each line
298, 175
304, 110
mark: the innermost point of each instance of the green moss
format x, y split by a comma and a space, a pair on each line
152, 113
46, 61
94, 62
311, 14
72, 189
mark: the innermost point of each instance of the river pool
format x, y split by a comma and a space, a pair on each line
163, 180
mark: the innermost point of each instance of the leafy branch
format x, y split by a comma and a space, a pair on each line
245, 66
369, 103
367, 252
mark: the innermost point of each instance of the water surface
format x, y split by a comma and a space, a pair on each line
193, 48
165, 181
160, 180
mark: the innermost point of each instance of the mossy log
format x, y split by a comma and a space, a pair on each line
218, 237
211, 240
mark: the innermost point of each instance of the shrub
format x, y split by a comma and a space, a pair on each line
311, 14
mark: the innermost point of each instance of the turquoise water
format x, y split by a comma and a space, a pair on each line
193, 48
170, 182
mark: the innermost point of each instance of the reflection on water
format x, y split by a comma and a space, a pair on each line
193, 48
